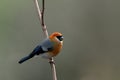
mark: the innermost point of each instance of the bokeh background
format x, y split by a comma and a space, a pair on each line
91, 30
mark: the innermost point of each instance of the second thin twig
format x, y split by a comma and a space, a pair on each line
41, 16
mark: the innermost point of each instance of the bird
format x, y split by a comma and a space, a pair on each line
50, 47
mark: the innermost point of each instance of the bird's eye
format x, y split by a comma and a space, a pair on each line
60, 38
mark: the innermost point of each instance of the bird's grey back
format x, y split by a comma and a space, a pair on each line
47, 45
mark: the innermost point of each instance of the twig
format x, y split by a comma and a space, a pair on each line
43, 9
52, 64
41, 18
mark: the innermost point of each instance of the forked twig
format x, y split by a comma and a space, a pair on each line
41, 18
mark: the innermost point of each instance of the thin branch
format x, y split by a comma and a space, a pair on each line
41, 18
52, 64
43, 9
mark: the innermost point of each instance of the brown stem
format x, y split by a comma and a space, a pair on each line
52, 64
41, 18
42, 13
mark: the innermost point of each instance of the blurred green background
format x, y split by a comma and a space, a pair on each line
91, 30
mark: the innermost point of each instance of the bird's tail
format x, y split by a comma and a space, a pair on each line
26, 58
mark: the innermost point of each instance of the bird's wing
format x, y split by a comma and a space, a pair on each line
47, 45
37, 50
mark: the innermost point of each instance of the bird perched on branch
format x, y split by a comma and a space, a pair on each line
50, 47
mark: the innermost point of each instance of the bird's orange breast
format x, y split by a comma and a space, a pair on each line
56, 50
57, 44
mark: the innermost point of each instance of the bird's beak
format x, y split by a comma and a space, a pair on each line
61, 38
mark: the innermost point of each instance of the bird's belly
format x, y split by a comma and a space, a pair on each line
56, 50
46, 55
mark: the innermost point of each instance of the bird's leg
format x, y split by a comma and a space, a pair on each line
51, 61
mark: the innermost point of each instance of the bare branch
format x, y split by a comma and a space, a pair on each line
41, 18
52, 64
43, 9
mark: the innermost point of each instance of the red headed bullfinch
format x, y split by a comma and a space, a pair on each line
50, 47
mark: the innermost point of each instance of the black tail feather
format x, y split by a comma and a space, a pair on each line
26, 58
